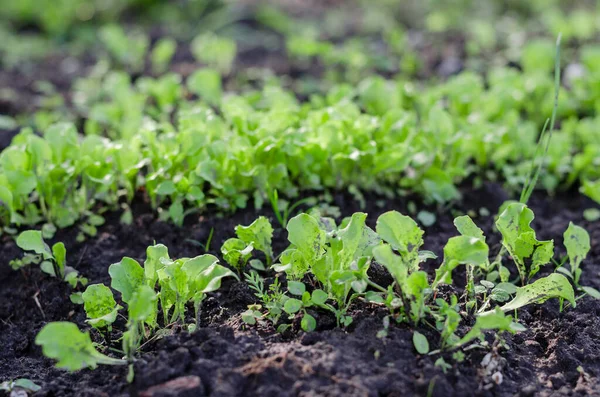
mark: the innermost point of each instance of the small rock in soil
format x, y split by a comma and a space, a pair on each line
182, 386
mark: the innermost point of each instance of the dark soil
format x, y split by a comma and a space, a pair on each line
227, 358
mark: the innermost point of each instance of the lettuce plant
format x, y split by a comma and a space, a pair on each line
519, 239
403, 235
52, 261
100, 306
258, 235
577, 242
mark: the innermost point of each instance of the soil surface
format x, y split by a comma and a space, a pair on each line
559, 354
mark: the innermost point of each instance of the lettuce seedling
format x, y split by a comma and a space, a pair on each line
72, 348
466, 227
404, 235
52, 261
339, 259
577, 242
317, 298
237, 253
100, 306
258, 234
520, 241
495, 320
126, 277
308, 246
141, 308
461, 250
343, 268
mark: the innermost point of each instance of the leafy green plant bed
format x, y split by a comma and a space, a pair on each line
370, 356
267, 198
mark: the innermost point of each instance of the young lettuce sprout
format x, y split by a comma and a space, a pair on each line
519, 239
100, 306
258, 234
51, 261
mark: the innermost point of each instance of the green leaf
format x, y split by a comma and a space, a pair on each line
465, 226
205, 273
593, 292
351, 237
394, 264
460, 250
420, 342
552, 286
100, 306
426, 218
591, 189
259, 233
236, 252
292, 305
155, 255
577, 242
305, 234
60, 256
403, 234
308, 323
319, 297
591, 214
495, 319
31, 240
126, 276
296, 288
141, 305
26, 384
166, 188
72, 348
520, 241
207, 84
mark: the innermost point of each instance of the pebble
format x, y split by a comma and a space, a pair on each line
184, 385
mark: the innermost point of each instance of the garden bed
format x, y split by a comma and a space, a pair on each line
228, 357
148, 124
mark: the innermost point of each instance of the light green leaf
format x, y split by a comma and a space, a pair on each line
465, 226
552, 286
26, 384
72, 348
60, 256
296, 288
141, 305
403, 234
520, 241
460, 250
126, 276
308, 323
236, 252
154, 262
319, 297
420, 342
577, 242
494, 319
100, 306
31, 240
292, 305
259, 233
305, 234
394, 264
